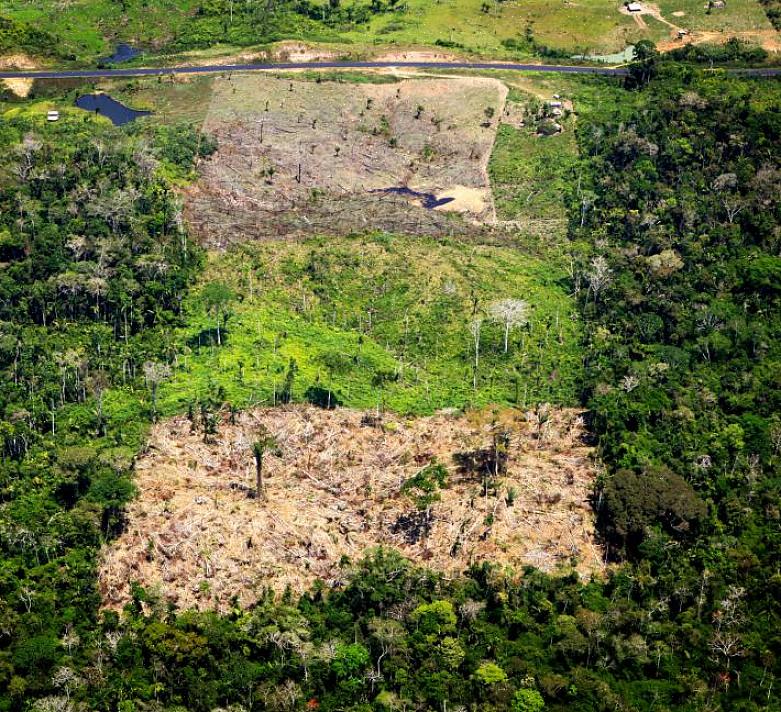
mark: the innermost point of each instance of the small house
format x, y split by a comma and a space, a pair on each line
53, 115
555, 104
634, 7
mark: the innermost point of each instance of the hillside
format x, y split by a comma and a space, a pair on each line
258, 452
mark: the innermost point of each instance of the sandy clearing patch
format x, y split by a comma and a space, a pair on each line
280, 52
416, 56
18, 61
301, 157
20, 87
300, 52
466, 200
196, 533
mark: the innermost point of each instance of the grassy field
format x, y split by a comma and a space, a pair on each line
87, 29
531, 175
378, 319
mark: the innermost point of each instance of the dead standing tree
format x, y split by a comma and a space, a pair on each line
510, 313
475, 327
265, 442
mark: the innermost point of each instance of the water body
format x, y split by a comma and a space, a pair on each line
104, 105
123, 53
428, 200
627, 55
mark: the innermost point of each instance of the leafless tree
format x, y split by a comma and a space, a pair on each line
599, 276
52, 703
728, 620
470, 609
27, 150
510, 313
389, 634
66, 679
70, 639
26, 596
630, 382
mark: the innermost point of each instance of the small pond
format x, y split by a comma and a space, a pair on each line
428, 200
112, 109
626, 55
123, 53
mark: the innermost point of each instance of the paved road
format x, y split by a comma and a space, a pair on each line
210, 69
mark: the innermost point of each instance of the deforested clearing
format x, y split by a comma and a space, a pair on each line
302, 157
340, 482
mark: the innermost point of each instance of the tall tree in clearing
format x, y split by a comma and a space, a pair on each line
266, 442
217, 298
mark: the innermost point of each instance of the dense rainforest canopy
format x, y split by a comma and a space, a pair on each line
676, 232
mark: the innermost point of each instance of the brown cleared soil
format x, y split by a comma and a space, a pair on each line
197, 535
18, 61
351, 141
769, 40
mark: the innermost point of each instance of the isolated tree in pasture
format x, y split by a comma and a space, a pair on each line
510, 313
217, 298
263, 443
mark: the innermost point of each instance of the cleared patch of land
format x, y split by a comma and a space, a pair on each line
336, 487
298, 157
379, 319
584, 27
531, 173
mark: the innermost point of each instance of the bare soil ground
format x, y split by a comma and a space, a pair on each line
20, 87
769, 40
351, 141
197, 534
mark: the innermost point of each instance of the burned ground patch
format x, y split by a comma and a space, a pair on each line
445, 490
302, 157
